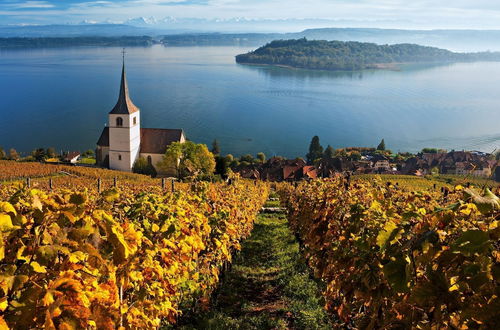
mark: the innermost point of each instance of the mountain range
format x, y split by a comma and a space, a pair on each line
194, 31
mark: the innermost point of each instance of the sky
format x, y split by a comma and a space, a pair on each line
423, 14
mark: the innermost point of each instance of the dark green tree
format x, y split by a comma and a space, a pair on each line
329, 152
39, 154
315, 150
222, 166
215, 147
381, 145
3, 155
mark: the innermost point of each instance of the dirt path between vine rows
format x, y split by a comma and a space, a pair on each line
269, 285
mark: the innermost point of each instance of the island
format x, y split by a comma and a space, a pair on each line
351, 55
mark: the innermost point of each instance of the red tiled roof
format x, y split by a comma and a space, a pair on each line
156, 140
153, 140
72, 155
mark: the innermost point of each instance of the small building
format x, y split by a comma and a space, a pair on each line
381, 164
72, 157
123, 141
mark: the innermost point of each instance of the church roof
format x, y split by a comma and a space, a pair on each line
156, 140
104, 138
124, 105
153, 140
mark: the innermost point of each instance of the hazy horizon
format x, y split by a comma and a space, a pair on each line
270, 15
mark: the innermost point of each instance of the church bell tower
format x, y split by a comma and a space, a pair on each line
124, 129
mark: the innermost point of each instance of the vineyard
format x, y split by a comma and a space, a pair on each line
81, 259
395, 259
43, 176
129, 252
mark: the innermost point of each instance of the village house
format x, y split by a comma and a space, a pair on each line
123, 140
381, 164
455, 162
72, 157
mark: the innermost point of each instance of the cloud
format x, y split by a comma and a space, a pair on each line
27, 5
395, 13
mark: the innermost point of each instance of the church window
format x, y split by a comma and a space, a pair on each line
135, 120
119, 157
119, 121
150, 161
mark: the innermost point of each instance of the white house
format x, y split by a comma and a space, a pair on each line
123, 140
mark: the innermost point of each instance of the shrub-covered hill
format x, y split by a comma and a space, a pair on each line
340, 55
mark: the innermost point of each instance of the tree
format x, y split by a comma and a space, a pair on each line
222, 166
50, 153
13, 155
215, 147
39, 154
355, 155
188, 159
329, 152
142, 166
315, 150
247, 158
88, 154
3, 155
261, 157
381, 145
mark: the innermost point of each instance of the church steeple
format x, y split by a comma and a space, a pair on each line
124, 104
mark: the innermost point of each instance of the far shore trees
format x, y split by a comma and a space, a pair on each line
188, 160
3, 155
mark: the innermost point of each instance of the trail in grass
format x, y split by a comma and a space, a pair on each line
268, 287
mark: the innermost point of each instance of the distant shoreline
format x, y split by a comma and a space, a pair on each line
377, 66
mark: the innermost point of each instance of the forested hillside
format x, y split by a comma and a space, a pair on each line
339, 55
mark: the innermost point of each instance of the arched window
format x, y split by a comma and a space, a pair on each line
150, 161
135, 120
119, 121
119, 157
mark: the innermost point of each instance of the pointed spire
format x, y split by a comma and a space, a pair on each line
124, 104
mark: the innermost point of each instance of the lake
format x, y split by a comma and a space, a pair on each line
61, 97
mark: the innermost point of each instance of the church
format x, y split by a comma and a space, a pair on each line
123, 140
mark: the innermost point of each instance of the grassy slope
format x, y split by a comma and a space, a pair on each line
268, 287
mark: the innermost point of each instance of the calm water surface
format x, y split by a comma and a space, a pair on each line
61, 97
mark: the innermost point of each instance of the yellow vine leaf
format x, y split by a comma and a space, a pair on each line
7, 208
5, 222
37, 267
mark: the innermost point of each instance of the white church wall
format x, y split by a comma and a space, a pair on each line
124, 140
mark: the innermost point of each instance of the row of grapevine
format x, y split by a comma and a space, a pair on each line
393, 259
77, 259
14, 170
